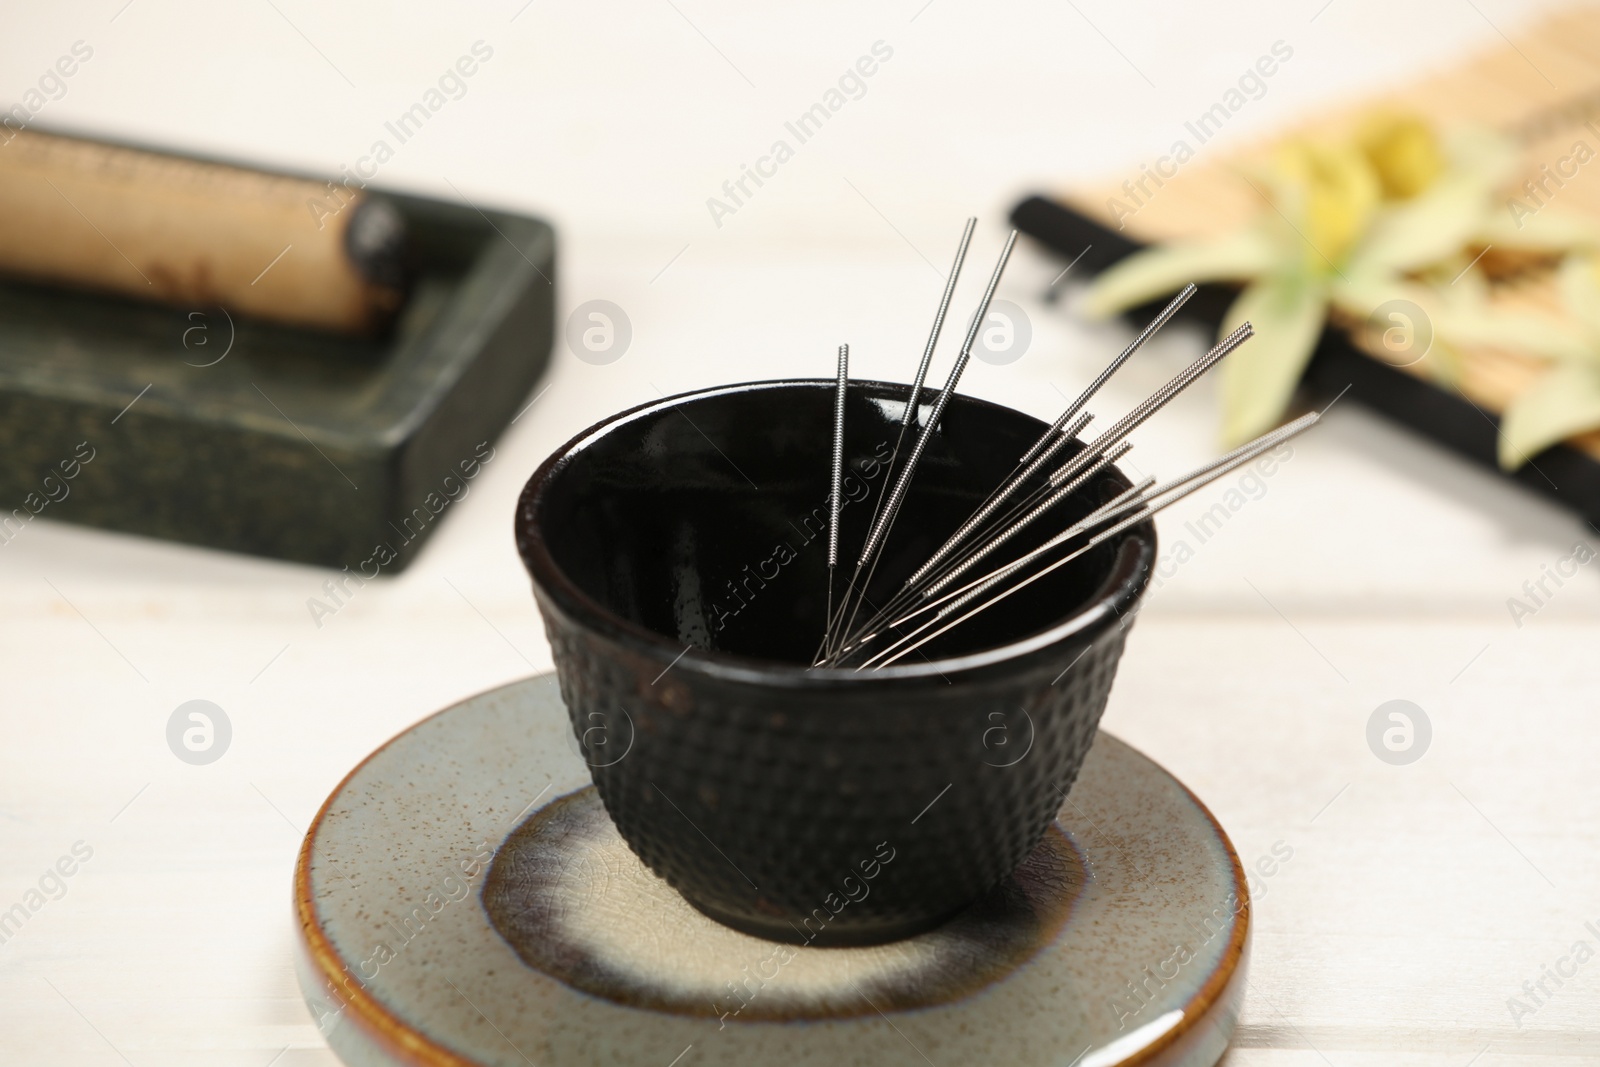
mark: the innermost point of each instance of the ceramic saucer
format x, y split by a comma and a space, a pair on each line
463, 899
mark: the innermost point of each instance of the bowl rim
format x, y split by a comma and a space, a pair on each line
1116, 598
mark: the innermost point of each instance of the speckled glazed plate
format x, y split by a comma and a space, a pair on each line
463, 899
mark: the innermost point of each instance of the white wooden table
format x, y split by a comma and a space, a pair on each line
1374, 566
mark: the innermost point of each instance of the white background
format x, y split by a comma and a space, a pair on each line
1375, 567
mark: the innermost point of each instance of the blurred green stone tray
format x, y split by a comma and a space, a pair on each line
297, 445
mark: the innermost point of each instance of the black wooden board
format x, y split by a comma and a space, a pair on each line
1562, 472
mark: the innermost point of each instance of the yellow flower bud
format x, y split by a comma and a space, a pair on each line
1403, 152
1333, 190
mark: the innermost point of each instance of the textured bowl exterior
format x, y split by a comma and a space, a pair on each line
829, 806
760, 806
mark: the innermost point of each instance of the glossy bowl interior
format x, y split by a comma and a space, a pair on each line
705, 520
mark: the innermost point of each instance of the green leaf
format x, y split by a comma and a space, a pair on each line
1363, 289
1545, 229
1287, 312
1163, 270
1580, 291
1563, 402
1544, 336
1427, 229
1361, 295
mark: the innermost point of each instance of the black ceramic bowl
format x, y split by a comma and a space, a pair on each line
678, 555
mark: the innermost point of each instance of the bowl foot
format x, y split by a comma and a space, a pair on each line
786, 933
